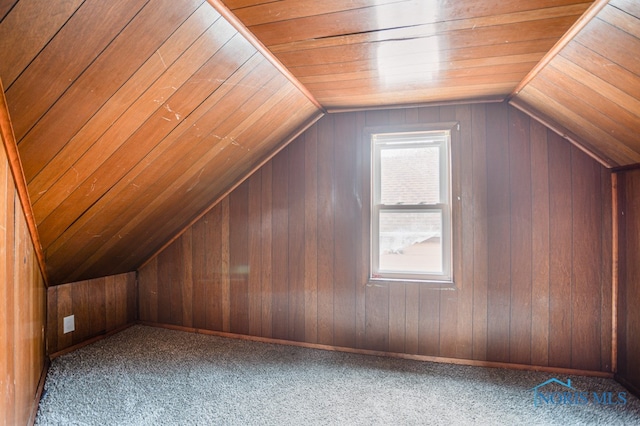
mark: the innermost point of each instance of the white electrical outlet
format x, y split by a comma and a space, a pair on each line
69, 324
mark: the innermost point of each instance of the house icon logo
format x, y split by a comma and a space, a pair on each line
553, 380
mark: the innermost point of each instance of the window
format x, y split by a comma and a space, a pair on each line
411, 210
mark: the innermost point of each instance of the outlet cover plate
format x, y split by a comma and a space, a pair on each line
69, 324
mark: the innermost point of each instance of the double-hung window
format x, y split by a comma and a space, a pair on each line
411, 207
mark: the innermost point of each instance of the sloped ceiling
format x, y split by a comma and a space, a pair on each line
590, 90
132, 117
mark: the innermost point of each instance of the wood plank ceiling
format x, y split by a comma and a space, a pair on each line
590, 91
368, 53
133, 117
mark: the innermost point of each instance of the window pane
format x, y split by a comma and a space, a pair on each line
410, 241
410, 175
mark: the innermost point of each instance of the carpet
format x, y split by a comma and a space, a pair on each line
152, 376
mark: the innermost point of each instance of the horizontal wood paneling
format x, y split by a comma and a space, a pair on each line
154, 131
534, 219
358, 54
99, 305
629, 279
22, 308
591, 89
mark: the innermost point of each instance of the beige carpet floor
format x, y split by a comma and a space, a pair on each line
151, 376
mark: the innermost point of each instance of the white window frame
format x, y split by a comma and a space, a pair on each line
381, 140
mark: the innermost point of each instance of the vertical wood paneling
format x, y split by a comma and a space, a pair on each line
311, 234
296, 243
280, 252
7, 258
326, 205
361, 232
187, 278
346, 214
164, 285
22, 307
623, 318
465, 236
64, 309
266, 233
540, 245
175, 282
498, 230
214, 261
480, 255
201, 274
379, 308
586, 294
560, 256
629, 279
632, 278
21, 323
397, 317
255, 258
531, 211
148, 291
429, 322
239, 259
606, 306
521, 238
52, 320
99, 306
80, 308
225, 282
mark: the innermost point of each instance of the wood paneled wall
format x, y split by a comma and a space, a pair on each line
629, 279
99, 305
22, 308
284, 255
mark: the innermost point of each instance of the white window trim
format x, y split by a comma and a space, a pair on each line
377, 143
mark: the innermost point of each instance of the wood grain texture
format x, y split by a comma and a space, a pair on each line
629, 278
17, 172
586, 292
480, 255
520, 175
360, 54
610, 251
590, 88
46, 22
99, 306
540, 284
22, 308
515, 299
498, 234
150, 129
560, 251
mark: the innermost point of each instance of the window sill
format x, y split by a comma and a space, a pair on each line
433, 284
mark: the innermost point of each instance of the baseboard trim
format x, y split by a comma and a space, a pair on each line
459, 361
90, 341
39, 390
